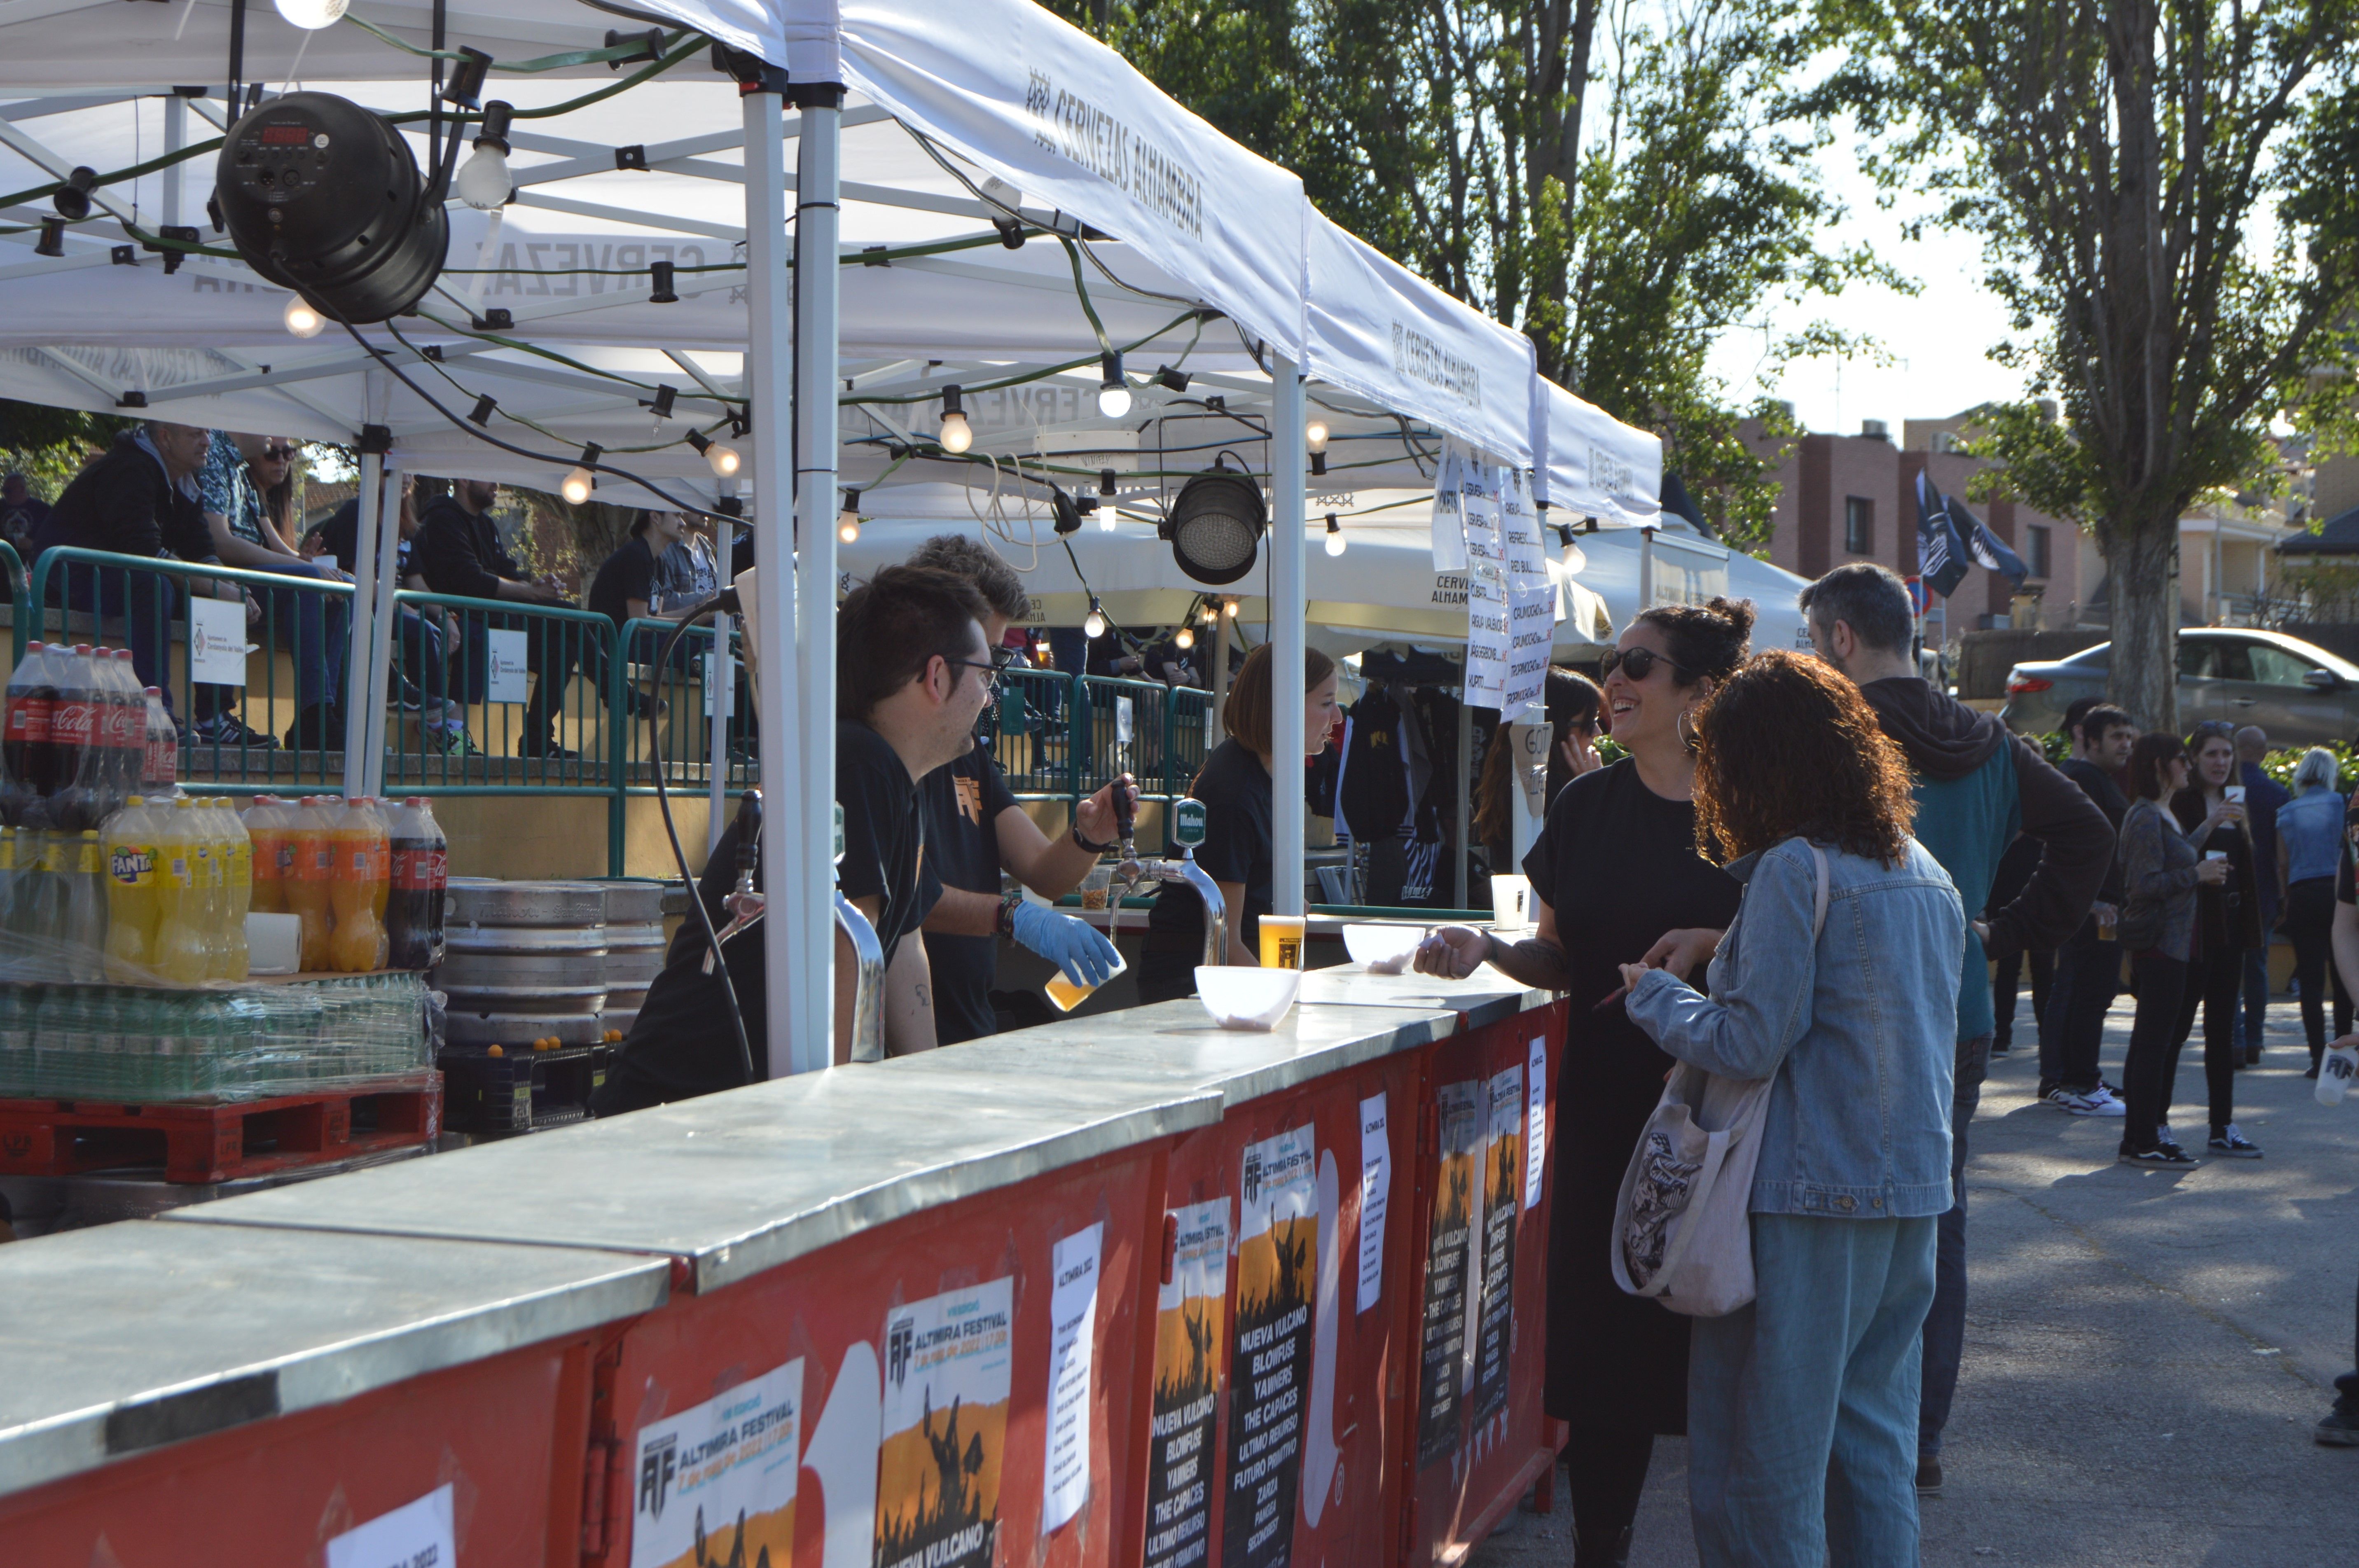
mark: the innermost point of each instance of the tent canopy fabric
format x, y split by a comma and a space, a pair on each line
1592, 464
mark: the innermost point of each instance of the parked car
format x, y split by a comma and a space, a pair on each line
2297, 692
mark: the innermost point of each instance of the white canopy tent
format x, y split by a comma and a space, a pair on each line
1180, 249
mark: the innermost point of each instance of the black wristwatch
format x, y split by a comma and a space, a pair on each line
1092, 848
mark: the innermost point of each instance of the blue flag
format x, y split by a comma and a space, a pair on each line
1940, 553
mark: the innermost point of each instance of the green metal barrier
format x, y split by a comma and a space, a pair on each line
20, 604
679, 744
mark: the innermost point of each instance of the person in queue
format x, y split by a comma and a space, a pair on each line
460, 553
2089, 964
1238, 848
2263, 798
140, 497
2227, 922
2340, 1426
245, 486
2309, 843
912, 671
1614, 869
1977, 787
1572, 703
21, 513
975, 829
2160, 874
422, 642
1802, 1405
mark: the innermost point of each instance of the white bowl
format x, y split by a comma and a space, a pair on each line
1246, 996
1385, 950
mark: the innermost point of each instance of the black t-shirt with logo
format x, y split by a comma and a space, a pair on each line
1239, 846
963, 801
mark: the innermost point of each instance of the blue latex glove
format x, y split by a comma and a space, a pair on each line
1078, 948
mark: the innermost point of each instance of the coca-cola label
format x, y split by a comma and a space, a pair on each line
419, 870
121, 728
163, 764
73, 721
29, 720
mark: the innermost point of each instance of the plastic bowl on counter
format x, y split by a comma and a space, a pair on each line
1385, 949
1246, 996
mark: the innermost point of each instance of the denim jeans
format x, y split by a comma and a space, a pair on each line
1800, 1405
322, 643
1945, 1323
2088, 977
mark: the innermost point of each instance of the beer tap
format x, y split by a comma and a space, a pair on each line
743, 903
1187, 831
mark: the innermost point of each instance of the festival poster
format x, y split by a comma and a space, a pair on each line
1278, 1270
1181, 1460
1449, 1257
947, 1381
1494, 1318
716, 1484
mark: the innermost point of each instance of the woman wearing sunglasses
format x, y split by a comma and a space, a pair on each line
2227, 924
1614, 877
1572, 713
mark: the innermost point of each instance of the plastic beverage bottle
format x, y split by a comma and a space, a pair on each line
307, 879
132, 875
123, 727
159, 771
273, 852
73, 743
85, 927
421, 879
237, 863
42, 915
363, 865
26, 753
7, 880
183, 953
439, 886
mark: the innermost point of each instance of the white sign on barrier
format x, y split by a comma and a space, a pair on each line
217, 641
415, 1535
509, 681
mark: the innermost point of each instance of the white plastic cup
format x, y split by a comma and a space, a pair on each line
1511, 901
2336, 1073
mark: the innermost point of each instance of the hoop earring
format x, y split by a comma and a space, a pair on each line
1686, 726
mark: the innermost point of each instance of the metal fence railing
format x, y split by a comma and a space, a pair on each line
1062, 738
20, 632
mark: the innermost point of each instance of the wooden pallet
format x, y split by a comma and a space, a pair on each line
218, 1142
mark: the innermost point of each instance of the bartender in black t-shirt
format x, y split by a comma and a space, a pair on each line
912, 673
975, 829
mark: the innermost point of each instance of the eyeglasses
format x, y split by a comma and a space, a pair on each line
1000, 658
278, 454
1638, 663
1587, 726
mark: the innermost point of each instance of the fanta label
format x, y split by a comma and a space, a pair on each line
133, 865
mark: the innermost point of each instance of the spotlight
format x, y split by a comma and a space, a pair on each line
1114, 392
1184, 638
580, 483
484, 182
1095, 624
325, 198
847, 522
957, 435
1334, 536
300, 319
1314, 436
53, 237
312, 14
1215, 525
1171, 379
719, 456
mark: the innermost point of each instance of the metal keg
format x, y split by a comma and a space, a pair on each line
635, 948
525, 960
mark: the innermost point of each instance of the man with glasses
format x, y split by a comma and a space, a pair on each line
1977, 787
975, 831
240, 475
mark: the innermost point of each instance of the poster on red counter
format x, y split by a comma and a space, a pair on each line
716, 1484
1449, 1257
1494, 1315
948, 1366
1277, 1266
1181, 1460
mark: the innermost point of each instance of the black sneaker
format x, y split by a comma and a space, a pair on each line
2162, 1157
2340, 1427
228, 729
546, 750
1929, 1476
316, 728
1998, 1051
2230, 1144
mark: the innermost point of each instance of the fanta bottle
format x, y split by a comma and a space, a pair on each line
183, 954
237, 863
307, 879
131, 892
363, 871
266, 823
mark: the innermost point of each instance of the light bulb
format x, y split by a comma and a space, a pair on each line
576, 487
724, 459
302, 319
1315, 434
1106, 518
1229, 608
1184, 639
1114, 400
847, 527
1334, 536
484, 182
312, 14
1095, 625
957, 434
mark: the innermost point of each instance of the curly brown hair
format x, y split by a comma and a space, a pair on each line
1785, 747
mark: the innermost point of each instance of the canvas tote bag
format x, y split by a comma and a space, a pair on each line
1682, 1232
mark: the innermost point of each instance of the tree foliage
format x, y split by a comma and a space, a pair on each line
1625, 183
2167, 194
49, 446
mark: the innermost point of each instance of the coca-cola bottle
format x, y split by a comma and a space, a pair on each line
413, 916
159, 771
73, 743
124, 725
25, 747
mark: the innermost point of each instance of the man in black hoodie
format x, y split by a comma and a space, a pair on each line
1977, 787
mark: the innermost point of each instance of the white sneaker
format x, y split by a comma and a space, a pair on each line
2097, 1102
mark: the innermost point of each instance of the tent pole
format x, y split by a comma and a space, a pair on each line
175, 136
1465, 789
381, 615
1288, 462
724, 698
786, 947
1647, 567
363, 648
818, 173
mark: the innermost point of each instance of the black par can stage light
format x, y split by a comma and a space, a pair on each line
1215, 525
323, 196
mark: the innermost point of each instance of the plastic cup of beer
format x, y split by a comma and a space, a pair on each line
1281, 942
1095, 888
2107, 915
1067, 996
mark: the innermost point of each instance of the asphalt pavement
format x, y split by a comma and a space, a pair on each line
2146, 1352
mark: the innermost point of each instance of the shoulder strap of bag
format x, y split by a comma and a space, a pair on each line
1819, 907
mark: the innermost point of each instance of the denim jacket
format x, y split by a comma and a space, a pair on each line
1863, 1023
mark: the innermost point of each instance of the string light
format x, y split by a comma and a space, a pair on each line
1095, 625
719, 456
1114, 392
312, 14
957, 435
484, 182
847, 522
1229, 608
578, 484
1334, 536
300, 319
1315, 436
1184, 639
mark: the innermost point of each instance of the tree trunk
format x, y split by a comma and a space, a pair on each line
2144, 678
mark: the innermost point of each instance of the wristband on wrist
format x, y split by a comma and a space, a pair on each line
1008, 902
1092, 848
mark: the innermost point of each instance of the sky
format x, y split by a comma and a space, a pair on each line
1937, 340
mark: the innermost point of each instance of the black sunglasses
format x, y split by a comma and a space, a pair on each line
1638, 663
278, 454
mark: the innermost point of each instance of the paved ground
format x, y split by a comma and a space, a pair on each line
2146, 1353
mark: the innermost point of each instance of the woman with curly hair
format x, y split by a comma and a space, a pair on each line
1615, 877
1803, 1406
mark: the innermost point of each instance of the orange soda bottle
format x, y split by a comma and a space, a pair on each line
274, 855
363, 870
306, 887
